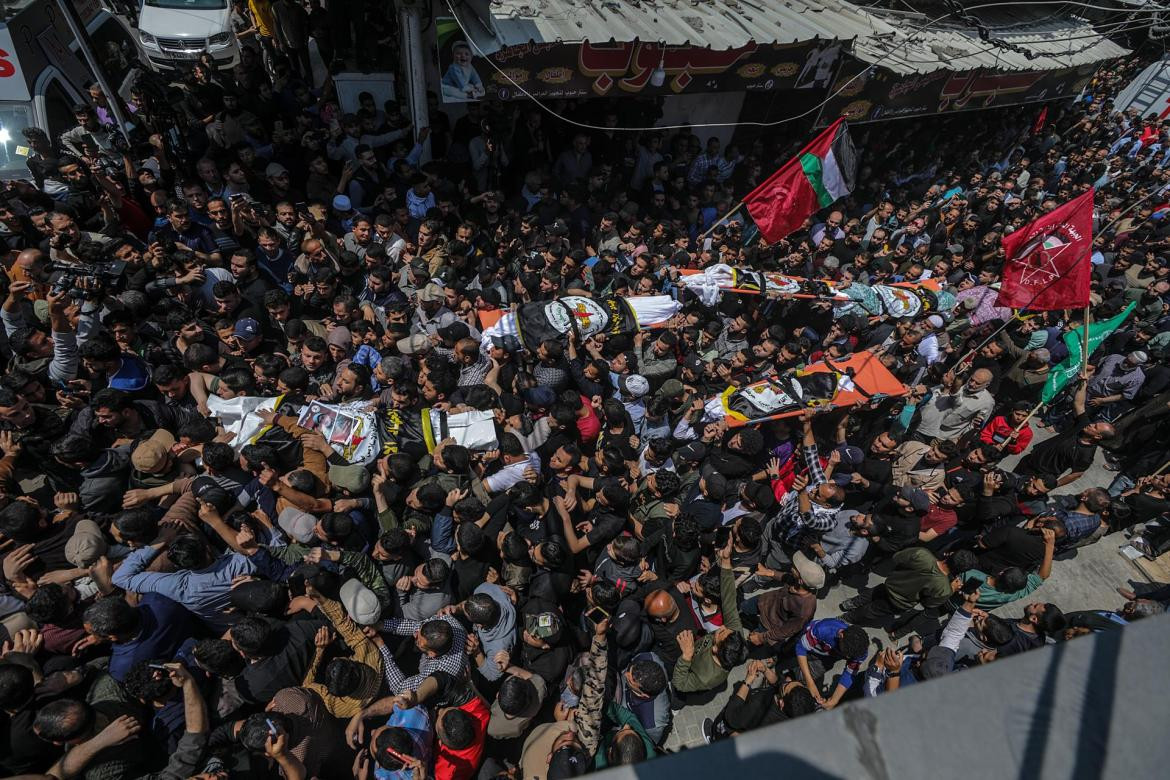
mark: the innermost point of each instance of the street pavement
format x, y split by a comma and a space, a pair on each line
1087, 579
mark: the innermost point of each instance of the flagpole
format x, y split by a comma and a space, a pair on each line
797, 156
1020, 427
718, 221
1085, 341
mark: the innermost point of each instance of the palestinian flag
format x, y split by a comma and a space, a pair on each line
824, 171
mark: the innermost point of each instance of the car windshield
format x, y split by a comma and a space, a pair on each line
189, 5
14, 116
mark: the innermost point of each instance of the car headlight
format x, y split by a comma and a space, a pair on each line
147, 38
221, 39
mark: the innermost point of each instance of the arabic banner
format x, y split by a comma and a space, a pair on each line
539, 322
534, 322
897, 299
569, 70
881, 94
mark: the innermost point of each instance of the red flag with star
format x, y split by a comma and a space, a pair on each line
1047, 265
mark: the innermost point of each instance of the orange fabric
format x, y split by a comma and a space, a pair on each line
868, 374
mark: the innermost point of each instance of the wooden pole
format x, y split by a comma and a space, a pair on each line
719, 221
1020, 427
971, 352
1085, 341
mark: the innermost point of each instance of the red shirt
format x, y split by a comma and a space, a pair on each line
589, 426
134, 219
997, 431
939, 519
463, 764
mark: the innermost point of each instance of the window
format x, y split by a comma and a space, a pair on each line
58, 109
14, 117
115, 50
189, 5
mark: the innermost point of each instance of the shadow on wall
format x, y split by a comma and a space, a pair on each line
1052, 714
721, 760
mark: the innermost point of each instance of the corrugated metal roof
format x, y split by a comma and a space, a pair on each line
893, 40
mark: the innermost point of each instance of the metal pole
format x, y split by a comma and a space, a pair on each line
414, 67
77, 27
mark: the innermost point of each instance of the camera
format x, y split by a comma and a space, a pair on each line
86, 281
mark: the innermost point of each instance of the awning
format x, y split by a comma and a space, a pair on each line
900, 41
883, 63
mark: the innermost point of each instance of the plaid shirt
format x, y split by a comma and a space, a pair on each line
472, 375
555, 376
1078, 525
818, 517
705, 162
453, 662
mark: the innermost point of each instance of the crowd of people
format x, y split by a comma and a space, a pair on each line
179, 603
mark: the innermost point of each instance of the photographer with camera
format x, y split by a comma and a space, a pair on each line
53, 357
67, 237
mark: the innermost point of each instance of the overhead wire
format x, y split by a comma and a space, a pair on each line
775, 123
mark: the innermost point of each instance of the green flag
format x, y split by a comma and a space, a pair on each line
1066, 371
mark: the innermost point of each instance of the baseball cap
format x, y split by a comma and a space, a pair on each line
453, 332
634, 385
208, 490
506, 343
812, 574
851, 457
246, 329
939, 661
543, 625
691, 453
569, 761
351, 477
414, 345
275, 169
917, 498
760, 495
672, 388
716, 485
540, 396
361, 603
151, 454
297, 524
432, 292
86, 545
694, 363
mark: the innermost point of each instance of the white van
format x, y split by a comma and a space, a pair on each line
173, 33
42, 76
